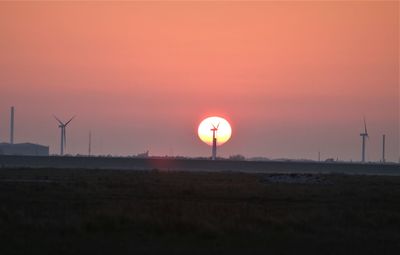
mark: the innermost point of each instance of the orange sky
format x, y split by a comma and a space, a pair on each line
292, 77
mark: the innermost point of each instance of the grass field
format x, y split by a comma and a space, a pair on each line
49, 211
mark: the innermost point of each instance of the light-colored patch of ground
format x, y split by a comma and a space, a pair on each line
295, 178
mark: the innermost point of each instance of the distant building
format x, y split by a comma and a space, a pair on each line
143, 155
26, 149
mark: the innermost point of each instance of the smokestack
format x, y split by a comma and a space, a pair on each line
12, 126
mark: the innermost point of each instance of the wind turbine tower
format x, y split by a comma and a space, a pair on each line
383, 148
363, 136
90, 144
63, 127
12, 126
214, 144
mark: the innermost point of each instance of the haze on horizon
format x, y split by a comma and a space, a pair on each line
293, 78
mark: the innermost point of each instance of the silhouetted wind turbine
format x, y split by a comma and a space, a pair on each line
90, 144
63, 126
363, 136
214, 144
383, 148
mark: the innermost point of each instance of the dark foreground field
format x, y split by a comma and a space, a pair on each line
52, 211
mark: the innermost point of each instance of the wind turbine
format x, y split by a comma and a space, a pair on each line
90, 144
363, 136
383, 148
214, 144
63, 126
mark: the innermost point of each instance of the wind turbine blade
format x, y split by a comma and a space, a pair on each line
217, 125
365, 127
69, 120
59, 121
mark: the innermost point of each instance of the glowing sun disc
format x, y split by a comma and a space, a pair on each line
223, 133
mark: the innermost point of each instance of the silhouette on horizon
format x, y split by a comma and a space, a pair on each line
62, 126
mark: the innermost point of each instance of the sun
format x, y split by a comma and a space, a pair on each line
223, 133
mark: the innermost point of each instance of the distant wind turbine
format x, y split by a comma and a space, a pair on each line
90, 144
63, 126
363, 136
214, 144
383, 148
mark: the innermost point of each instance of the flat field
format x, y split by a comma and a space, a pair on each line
65, 211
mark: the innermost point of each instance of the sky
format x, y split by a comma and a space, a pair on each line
293, 78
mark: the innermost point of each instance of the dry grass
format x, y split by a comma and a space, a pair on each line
50, 211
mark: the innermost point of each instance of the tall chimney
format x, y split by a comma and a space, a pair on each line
12, 126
